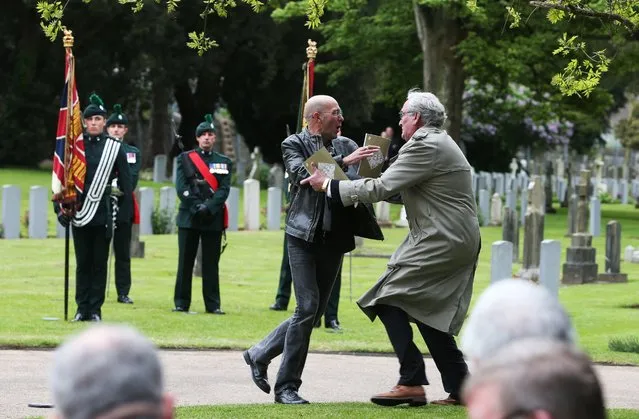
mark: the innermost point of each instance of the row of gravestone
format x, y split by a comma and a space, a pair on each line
40, 205
492, 212
550, 271
504, 183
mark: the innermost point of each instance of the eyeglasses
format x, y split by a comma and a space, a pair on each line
402, 113
336, 112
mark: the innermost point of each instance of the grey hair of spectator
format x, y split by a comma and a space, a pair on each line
536, 378
432, 112
107, 371
513, 309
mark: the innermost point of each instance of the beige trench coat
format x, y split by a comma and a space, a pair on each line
430, 275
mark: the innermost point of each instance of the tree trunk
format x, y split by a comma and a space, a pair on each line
439, 32
159, 124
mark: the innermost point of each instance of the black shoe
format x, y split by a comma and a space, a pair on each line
289, 396
79, 317
216, 311
95, 318
334, 326
257, 374
277, 307
181, 309
124, 299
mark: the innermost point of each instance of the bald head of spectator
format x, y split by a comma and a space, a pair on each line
109, 372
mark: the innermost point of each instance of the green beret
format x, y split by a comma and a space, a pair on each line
117, 117
96, 107
205, 126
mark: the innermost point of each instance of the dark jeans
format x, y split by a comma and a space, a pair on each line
284, 289
122, 252
188, 241
314, 267
91, 246
442, 347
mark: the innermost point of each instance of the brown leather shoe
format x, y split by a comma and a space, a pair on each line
413, 395
448, 401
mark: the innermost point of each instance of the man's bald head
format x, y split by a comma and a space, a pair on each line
319, 103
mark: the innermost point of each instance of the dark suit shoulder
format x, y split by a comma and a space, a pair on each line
222, 157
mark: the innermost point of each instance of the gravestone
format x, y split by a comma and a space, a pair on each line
627, 253
523, 205
276, 176
572, 215
168, 201
548, 188
147, 199
475, 180
484, 207
580, 266
510, 232
613, 254
233, 204
403, 221
501, 261
38, 206
495, 210
159, 168
595, 216
623, 191
174, 170
550, 266
382, 212
533, 230
569, 187
500, 184
274, 208
137, 247
11, 211
513, 166
511, 199
251, 205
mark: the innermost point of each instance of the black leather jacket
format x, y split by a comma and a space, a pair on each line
306, 204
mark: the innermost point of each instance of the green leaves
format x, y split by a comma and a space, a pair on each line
51, 18
200, 42
555, 16
515, 16
583, 72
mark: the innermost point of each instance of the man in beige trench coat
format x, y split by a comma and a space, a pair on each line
429, 278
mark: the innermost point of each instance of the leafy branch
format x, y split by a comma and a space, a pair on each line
52, 12
627, 15
579, 77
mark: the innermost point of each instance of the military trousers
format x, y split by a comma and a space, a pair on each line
188, 241
91, 246
122, 253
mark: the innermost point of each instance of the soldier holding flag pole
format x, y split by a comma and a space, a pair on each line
84, 166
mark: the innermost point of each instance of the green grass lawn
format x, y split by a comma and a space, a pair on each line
342, 410
32, 288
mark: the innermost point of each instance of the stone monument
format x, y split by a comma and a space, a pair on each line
580, 266
533, 230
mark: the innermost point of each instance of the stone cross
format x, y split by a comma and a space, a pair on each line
582, 206
533, 230
513, 167
256, 157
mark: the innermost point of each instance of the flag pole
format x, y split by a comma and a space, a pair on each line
69, 183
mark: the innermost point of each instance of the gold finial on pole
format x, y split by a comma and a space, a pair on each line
67, 40
311, 50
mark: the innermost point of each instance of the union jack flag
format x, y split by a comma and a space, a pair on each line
69, 162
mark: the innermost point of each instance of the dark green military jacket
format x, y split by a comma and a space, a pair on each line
125, 213
192, 189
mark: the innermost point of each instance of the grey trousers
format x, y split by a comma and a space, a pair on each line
314, 267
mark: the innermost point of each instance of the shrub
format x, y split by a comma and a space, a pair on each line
606, 198
626, 344
161, 221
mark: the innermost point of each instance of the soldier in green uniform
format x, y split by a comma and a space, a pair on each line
117, 127
202, 184
93, 223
